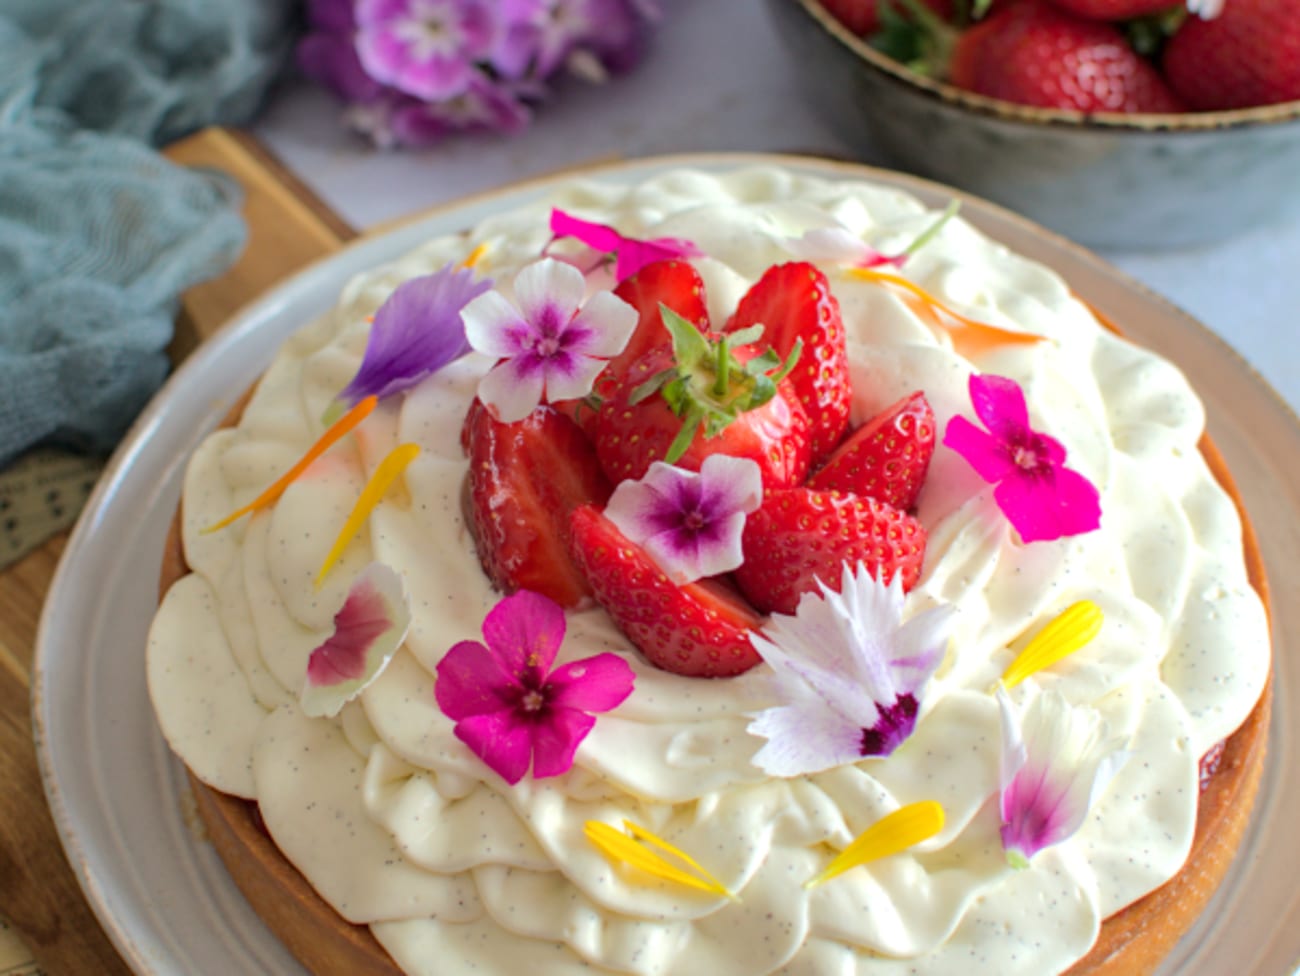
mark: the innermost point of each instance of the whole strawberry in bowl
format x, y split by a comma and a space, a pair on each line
1143, 124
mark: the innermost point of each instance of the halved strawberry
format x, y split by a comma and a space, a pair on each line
701, 629
702, 396
794, 304
887, 457
800, 536
524, 480
674, 284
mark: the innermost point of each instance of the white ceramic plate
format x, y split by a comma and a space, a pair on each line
118, 796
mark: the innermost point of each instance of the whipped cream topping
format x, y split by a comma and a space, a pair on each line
399, 826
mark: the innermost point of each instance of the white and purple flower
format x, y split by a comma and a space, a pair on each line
689, 522
1055, 763
368, 629
551, 346
509, 707
849, 673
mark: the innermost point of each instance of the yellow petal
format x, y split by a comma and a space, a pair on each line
1074, 627
373, 493
620, 847
968, 335
475, 256
904, 828
336, 431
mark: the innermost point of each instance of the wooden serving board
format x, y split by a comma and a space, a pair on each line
289, 227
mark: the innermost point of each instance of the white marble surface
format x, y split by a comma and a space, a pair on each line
716, 79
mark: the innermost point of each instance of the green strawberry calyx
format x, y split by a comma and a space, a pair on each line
707, 385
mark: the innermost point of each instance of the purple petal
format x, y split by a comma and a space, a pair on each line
368, 630
556, 740
570, 377
494, 327
594, 684
471, 680
987, 455
334, 16
606, 323
500, 740
1049, 505
1000, 405
804, 739
417, 331
525, 631
894, 724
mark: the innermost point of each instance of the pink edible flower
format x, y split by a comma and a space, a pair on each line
1054, 766
840, 246
509, 707
630, 254
1040, 496
689, 523
368, 630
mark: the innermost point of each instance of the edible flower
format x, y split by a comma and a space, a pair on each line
426, 48
417, 331
1039, 495
1068, 631
336, 432
393, 464
630, 254
368, 629
551, 346
509, 707
1053, 768
633, 850
905, 827
849, 673
689, 523
839, 245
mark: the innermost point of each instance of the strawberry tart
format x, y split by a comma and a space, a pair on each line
736, 572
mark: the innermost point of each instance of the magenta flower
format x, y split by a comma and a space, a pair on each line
849, 674
630, 255
426, 48
551, 346
689, 523
417, 331
368, 630
1040, 496
1052, 771
509, 707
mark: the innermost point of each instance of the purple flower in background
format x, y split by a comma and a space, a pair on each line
414, 72
426, 48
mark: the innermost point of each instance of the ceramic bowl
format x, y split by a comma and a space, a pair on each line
1133, 182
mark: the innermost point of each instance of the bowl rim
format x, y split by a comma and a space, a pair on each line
1151, 122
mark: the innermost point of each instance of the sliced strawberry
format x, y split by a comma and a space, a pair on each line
793, 303
700, 629
800, 536
887, 457
524, 480
633, 431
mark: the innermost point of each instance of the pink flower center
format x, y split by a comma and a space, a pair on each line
694, 520
533, 701
1025, 457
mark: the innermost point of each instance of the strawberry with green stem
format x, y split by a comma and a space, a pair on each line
700, 396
